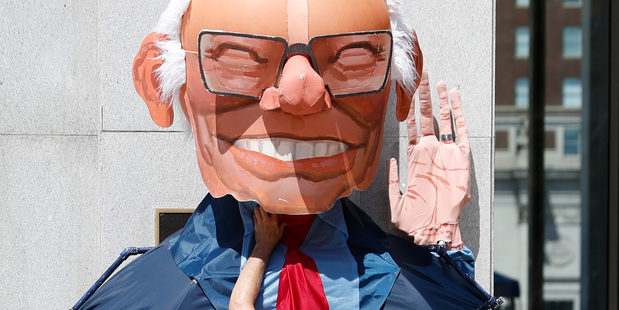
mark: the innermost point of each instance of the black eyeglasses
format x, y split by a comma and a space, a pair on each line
244, 65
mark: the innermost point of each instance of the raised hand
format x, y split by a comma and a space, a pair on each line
439, 173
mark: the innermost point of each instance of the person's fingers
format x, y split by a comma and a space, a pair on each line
267, 217
272, 218
257, 214
394, 183
426, 120
446, 135
463, 137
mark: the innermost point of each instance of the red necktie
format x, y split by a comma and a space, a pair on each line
300, 287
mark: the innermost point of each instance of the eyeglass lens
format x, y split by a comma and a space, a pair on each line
241, 65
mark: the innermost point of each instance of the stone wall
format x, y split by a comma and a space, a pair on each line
83, 168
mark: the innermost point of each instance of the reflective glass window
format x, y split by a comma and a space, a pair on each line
522, 92
572, 92
522, 42
572, 41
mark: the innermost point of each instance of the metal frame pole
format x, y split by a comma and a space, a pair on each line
537, 86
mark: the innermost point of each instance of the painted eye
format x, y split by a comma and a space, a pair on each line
240, 60
354, 49
237, 66
355, 59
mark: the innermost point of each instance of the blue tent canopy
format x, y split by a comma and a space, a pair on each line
426, 280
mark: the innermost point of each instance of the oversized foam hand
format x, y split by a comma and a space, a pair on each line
439, 173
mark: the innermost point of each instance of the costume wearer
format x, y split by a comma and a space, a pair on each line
361, 267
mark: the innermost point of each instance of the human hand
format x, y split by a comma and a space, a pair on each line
267, 234
439, 173
267, 231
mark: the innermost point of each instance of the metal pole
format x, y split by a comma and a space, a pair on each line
123, 256
598, 187
613, 209
537, 80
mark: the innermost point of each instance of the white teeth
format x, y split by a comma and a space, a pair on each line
303, 150
284, 151
268, 149
290, 149
254, 145
320, 149
242, 144
335, 148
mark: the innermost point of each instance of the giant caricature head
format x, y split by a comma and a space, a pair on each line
286, 98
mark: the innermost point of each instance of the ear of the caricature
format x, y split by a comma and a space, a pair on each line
286, 99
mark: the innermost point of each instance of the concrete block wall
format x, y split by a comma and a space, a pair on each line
83, 168
457, 40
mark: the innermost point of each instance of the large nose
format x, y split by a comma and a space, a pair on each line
301, 90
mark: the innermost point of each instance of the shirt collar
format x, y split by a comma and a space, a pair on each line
333, 217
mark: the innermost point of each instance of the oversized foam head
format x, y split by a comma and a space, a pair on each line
286, 98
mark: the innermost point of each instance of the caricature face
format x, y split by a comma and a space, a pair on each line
275, 134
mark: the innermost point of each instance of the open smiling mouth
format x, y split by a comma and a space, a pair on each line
275, 157
286, 149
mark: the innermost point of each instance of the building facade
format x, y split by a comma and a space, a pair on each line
563, 102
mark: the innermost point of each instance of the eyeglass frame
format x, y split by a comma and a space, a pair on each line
290, 50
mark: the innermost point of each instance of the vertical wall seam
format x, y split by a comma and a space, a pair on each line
100, 136
492, 146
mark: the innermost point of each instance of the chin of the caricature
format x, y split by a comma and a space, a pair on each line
287, 195
308, 202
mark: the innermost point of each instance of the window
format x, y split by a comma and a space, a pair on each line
550, 140
522, 42
558, 304
572, 3
572, 41
522, 92
522, 3
571, 142
501, 140
572, 93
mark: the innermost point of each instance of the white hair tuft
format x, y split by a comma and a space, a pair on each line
403, 67
172, 74
171, 19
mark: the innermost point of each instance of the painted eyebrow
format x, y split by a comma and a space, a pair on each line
256, 57
365, 45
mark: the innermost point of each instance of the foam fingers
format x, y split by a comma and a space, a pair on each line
394, 186
463, 137
446, 134
411, 124
426, 120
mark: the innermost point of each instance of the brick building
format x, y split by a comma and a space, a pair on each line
563, 101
